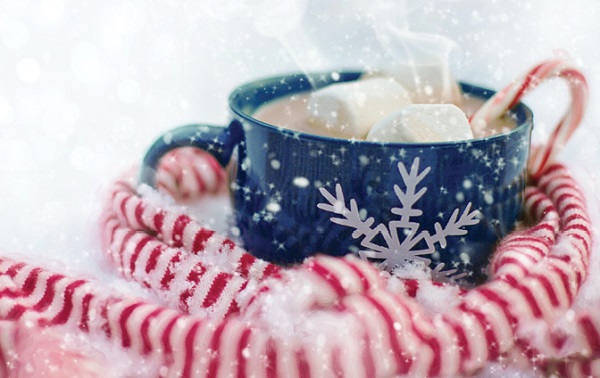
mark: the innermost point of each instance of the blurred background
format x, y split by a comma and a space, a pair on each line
85, 86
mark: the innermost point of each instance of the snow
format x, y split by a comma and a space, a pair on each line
86, 86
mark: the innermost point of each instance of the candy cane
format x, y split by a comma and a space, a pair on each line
510, 96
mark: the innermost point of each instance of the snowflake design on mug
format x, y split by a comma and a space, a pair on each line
405, 246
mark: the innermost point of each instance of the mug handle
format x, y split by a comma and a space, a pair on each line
218, 141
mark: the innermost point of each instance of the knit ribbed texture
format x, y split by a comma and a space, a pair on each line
209, 319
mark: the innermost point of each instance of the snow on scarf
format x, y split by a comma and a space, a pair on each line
219, 311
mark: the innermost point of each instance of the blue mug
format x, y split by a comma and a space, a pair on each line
297, 194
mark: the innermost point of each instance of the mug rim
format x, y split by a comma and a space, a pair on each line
271, 81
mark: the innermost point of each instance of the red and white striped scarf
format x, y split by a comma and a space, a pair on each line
216, 306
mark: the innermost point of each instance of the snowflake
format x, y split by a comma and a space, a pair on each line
398, 249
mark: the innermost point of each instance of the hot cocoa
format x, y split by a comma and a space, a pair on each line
291, 113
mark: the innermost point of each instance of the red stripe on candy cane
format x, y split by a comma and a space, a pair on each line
511, 95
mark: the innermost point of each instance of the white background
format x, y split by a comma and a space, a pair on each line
85, 86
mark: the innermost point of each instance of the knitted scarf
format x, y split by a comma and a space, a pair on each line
218, 311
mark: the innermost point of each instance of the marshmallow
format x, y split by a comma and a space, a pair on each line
426, 83
349, 110
423, 123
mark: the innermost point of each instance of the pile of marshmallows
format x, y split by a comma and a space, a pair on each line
404, 104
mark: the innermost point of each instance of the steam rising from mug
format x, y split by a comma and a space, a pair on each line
424, 57
372, 31
281, 20
276, 19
